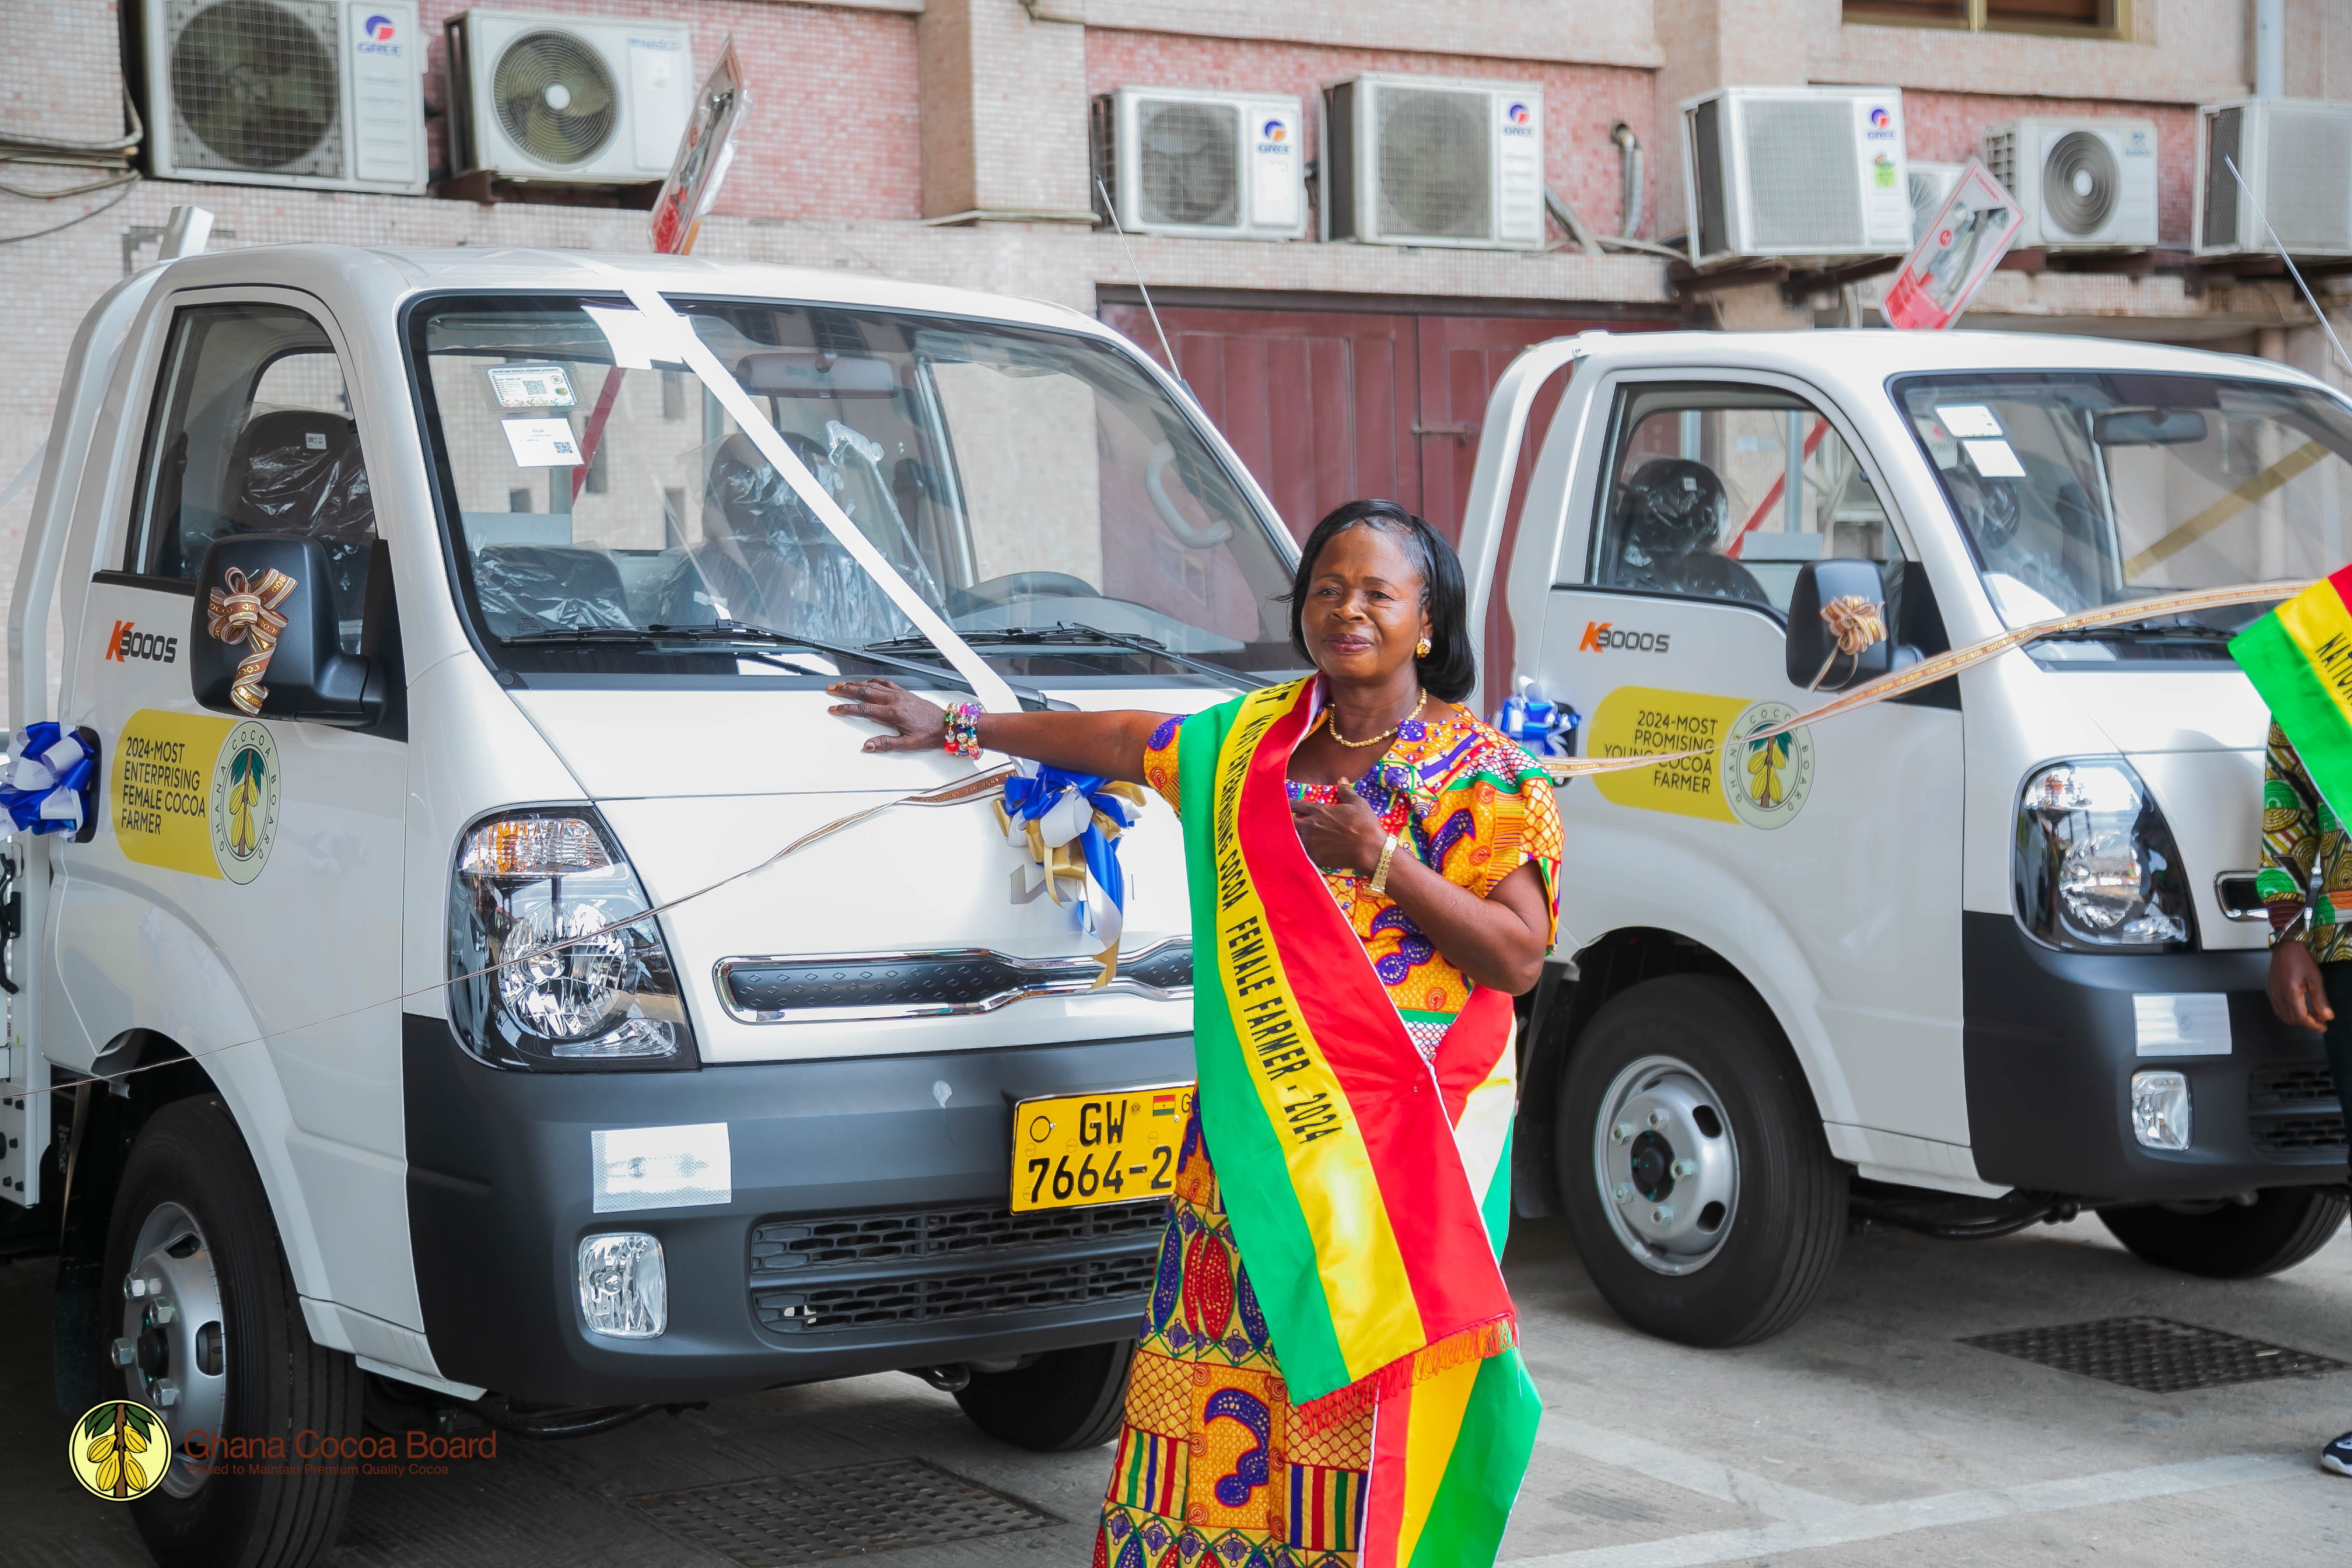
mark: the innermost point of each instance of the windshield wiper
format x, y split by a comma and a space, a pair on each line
1077, 632
740, 632
2153, 626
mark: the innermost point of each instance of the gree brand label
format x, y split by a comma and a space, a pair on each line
196, 793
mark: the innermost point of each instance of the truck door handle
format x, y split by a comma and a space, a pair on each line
1458, 432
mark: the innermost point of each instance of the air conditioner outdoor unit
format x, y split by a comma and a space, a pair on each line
1814, 171
2085, 184
1930, 184
327, 94
590, 101
1417, 160
1213, 165
2297, 156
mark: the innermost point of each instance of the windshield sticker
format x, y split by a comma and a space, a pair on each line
1967, 419
196, 793
542, 442
1995, 460
531, 386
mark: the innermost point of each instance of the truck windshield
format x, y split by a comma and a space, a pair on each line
2082, 490
1036, 487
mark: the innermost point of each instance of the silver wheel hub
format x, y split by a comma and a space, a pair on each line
174, 1347
1667, 1166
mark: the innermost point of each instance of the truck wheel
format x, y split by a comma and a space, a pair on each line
1063, 1400
214, 1343
2233, 1241
1696, 1183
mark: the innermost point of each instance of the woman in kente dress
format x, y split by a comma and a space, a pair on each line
1328, 1376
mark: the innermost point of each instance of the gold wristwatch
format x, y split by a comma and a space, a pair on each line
1380, 882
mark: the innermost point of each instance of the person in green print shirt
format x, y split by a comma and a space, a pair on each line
2311, 938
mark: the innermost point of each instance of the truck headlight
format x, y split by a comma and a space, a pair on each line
2095, 868
543, 902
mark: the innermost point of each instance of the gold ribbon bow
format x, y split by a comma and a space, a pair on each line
245, 612
1856, 624
1070, 860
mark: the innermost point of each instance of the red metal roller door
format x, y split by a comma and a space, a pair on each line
1326, 406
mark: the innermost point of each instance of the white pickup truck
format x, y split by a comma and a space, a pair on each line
343, 1049
1983, 955
350, 1076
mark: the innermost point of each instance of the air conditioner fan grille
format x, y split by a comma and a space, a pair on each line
1803, 190
1188, 154
2081, 184
1434, 172
255, 85
2303, 188
1927, 194
556, 97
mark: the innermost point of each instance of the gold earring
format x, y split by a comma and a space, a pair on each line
1421, 649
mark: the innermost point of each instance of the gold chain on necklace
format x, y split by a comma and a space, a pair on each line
1332, 714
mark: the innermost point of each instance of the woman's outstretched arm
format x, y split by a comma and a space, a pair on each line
1108, 745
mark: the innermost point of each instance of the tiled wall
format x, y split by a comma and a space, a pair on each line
1580, 102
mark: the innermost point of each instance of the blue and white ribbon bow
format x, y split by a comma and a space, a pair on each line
1070, 825
51, 782
1540, 725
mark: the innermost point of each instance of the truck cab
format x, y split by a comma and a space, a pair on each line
1984, 954
424, 1013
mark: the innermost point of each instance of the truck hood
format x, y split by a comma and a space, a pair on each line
701, 786
2202, 708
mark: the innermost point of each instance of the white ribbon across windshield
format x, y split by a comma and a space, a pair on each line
657, 329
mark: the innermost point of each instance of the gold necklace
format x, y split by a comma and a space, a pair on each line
1332, 714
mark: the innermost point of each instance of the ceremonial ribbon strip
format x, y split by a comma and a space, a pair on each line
1856, 624
1929, 672
244, 612
1360, 1186
51, 782
983, 786
1070, 825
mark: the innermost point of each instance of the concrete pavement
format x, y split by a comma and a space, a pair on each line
1866, 1436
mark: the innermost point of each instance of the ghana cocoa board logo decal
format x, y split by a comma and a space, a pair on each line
118, 1450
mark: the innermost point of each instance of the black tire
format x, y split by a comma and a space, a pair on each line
1062, 1401
1773, 1250
278, 1384
2280, 1229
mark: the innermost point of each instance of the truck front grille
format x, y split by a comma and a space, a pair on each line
815, 1308
862, 1270
2294, 1113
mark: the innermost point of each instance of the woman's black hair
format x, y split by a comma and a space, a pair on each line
1451, 667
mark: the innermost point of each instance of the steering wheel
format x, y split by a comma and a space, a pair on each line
1013, 585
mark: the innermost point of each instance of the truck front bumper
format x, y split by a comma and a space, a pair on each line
2052, 1043
867, 1231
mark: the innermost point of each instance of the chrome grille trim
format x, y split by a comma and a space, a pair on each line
937, 984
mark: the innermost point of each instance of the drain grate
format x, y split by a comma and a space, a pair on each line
2154, 1355
847, 1512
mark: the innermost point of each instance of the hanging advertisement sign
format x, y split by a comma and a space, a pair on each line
1977, 225
704, 154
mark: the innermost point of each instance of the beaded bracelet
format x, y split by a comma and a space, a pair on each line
962, 724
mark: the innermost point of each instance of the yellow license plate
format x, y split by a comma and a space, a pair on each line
1074, 1150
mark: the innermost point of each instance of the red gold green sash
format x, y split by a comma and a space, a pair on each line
2299, 658
1344, 1159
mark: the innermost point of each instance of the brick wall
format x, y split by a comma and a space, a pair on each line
835, 117
1580, 102
1948, 127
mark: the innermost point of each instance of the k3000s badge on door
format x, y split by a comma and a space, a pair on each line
196, 793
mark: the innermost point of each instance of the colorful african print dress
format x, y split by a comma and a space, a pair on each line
1214, 1460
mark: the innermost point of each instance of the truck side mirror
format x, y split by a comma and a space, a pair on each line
308, 677
1813, 649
